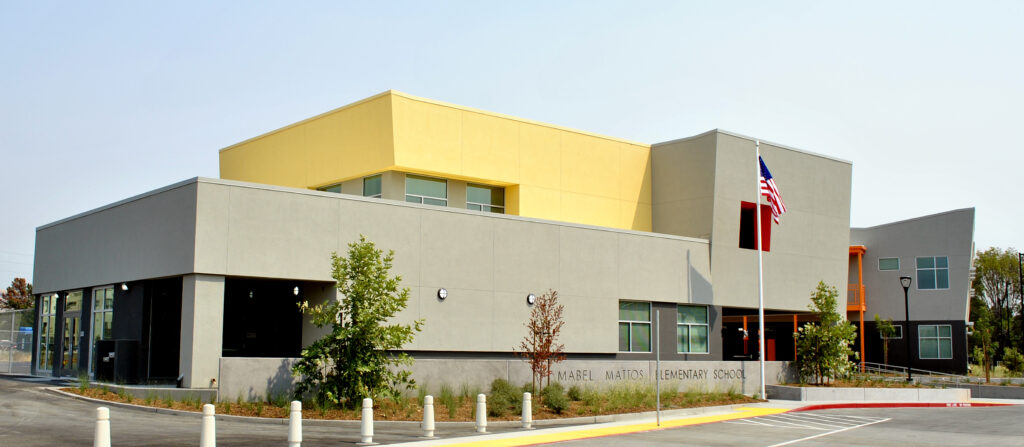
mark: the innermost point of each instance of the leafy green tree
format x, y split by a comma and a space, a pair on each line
357, 359
887, 330
997, 281
824, 347
1013, 361
981, 341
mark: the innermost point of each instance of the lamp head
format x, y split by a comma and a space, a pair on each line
905, 281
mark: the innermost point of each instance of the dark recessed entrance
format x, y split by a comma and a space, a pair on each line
261, 318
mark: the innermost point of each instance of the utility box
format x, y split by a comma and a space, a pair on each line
116, 361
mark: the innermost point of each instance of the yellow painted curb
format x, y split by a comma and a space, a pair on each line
740, 413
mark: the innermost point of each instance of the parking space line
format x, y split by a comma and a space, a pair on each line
819, 435
831, 421
787, 424
825, 423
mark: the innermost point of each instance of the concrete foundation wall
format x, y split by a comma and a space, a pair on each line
256, 378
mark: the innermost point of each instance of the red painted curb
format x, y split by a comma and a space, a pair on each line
900, 405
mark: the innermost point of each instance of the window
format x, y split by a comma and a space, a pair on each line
898, 335
692, 329
426, 190
935, 341
47, 326
332, 188
888, 263
748, 232
102, 316
73, 302
634, 326
932, 273
371, 186
485, 198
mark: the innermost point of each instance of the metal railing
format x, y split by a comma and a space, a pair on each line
896, 372
854, 294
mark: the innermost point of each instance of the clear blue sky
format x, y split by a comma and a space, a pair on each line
101, 101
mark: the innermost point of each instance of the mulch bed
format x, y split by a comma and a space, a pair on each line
410, 409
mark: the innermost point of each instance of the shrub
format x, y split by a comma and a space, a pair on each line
554, 398
447, 399
1013, 360
575, 393
504, 398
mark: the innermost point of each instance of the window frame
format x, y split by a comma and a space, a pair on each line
938, 339
379, 194
422, 197
102, 312
630, 323
485, 207
48, 302
329, 188
934, 268
689, 331
898, 264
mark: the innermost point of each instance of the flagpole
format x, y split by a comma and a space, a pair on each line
760, 270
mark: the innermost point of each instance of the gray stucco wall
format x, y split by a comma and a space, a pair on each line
488, 263
253, 378
151, 235
711, 174
949, 234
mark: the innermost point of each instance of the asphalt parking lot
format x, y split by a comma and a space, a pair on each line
31, 416
903, 427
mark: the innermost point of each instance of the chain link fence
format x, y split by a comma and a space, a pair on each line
16, 341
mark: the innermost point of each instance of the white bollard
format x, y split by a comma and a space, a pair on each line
428, 417
481, 413
527, 410
208, 434
102, 436
366, 428
295, 424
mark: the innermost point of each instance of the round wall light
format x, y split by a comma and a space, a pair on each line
530, 299
124, 286
442, 293
295, 291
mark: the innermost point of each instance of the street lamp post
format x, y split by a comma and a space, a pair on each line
905, 282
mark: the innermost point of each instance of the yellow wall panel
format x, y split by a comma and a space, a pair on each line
590, 166
340, 144
548, 172
490, 147
635, 175
590, 210
427, 137
538, 202
540, 154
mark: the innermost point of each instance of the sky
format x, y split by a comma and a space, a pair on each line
101, 101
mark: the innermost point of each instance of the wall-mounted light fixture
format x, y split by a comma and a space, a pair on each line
250, 294
124, 286
295, 291
442, 293
530, 299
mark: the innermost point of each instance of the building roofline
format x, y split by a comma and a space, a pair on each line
437, 103
121, 202
385, 202
746, 137
914, 219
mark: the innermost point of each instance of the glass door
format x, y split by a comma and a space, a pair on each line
69, 363
47, 334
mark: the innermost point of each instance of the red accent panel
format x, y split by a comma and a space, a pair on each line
766, 223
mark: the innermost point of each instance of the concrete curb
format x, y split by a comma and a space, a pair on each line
623, 417
899, 405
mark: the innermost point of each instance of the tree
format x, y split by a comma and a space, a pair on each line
981, 340
824, 347
18, 295
887, 330
540, 346
997, 281
356, 359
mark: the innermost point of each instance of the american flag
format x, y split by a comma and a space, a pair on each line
769, 190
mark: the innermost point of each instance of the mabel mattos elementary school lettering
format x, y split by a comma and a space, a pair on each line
197, 282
